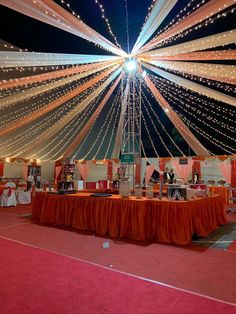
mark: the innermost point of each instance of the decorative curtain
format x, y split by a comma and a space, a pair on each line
225, 169
138, 174
58, 102
220, 72
189, 137
207, 10
149, 171
1, 168
34, 91
233, 175
69, 116
84, 170
58, 170
203, 90
53, 14
109, 170
25, 171
159, 12
182, 171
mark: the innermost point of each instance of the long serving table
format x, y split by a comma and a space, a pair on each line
140, 220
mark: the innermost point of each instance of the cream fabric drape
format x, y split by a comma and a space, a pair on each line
204, 12
79, 138
218, 72
193, 86
197, 56
49, 12
27, 80
68, 117
118, 140
203, 43
192, 141
16, 59
159, 12
35, 115
6, 101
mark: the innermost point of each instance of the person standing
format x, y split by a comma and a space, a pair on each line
195, 177
30, 181
166, 175
38, 181
171, 176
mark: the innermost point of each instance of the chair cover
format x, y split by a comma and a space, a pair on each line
23, 197
8, 195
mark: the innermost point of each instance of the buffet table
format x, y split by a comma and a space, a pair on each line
140, 220
223, 191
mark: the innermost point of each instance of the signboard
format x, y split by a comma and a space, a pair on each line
127, 158
183, 161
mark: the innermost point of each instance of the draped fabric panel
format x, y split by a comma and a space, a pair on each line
149, 171
204, 12
212, 41
197, 56
35, 91
58, 102
218, 72
89, 123
15, 58
109, 170
182, 171
194, 87
1, 168
192, 141
84, 170
225, 169
25, 171
117, 144
49, 12
58, 170
69, 116
160, 10
49, 75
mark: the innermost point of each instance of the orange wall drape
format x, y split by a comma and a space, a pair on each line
138, 174
233, 175
109, 170
1, 168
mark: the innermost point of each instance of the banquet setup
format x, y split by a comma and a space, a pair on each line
118, 156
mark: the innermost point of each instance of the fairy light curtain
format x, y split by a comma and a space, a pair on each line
88, 77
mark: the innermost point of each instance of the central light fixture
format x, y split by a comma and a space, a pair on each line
131, 66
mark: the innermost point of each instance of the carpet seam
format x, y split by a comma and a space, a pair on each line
124, 273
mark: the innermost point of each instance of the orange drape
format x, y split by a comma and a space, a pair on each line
1, 168
141, 220
109, 170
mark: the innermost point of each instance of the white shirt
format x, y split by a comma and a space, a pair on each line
30, 178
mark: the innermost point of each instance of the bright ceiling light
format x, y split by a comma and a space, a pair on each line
131, 66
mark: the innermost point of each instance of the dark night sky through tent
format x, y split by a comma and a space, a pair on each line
206, 118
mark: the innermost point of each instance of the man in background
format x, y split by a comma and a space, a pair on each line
171, 176
166, 175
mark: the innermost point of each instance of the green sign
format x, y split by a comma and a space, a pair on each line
127, 158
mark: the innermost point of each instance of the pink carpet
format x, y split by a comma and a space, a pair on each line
37, 281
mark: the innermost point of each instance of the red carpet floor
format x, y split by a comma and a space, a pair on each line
37, 281
206, 271
232, 247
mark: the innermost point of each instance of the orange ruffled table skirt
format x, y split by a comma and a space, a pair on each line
222, 191
140, 220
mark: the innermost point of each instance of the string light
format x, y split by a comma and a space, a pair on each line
102, 10
159, 122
